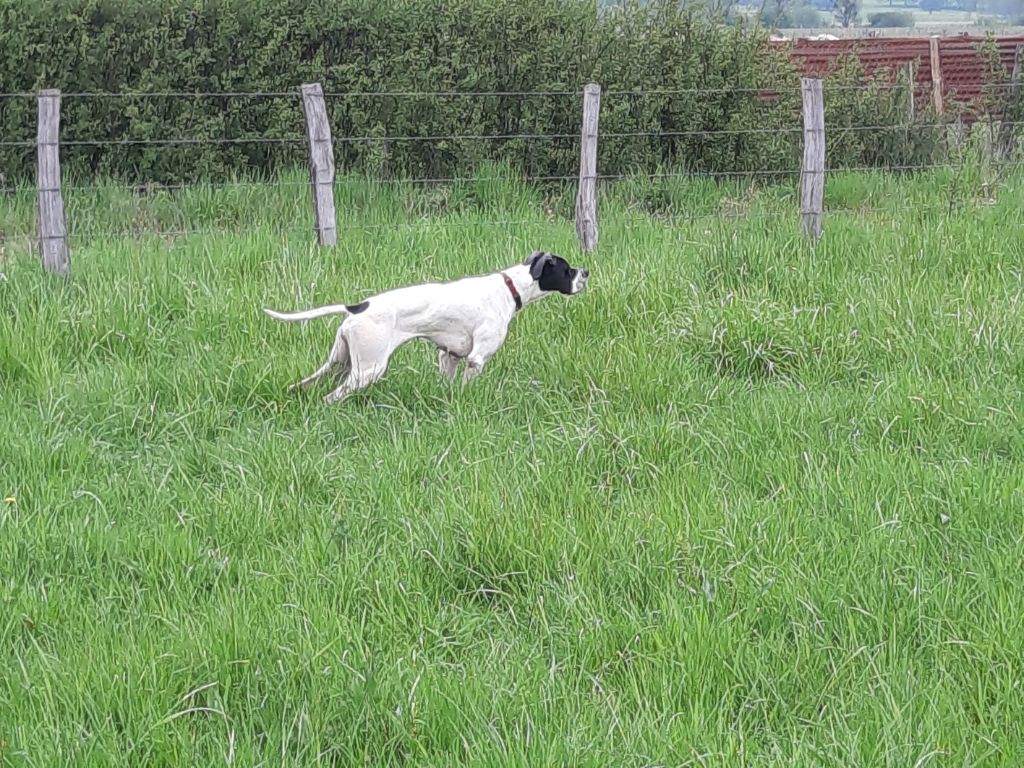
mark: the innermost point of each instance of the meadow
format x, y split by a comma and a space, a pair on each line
746, 501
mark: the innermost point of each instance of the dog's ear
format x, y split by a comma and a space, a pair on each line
538, 261
528, 261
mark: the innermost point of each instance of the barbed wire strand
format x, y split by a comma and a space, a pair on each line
258, 230
484, 137
158, 94
370, 139
768, 89
348, 181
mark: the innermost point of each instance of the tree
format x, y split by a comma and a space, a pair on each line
773, 12
721, 10
846, 11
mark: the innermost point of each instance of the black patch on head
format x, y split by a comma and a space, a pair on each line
552, 273
355, 309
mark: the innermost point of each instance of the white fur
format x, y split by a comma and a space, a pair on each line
466, 319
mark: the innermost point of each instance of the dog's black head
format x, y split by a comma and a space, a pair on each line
553, 273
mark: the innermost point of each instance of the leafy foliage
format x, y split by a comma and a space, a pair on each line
664, 71
846, 12
868, 122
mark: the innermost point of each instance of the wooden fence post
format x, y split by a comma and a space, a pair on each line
53, 233
935, 64
812, 170
586, 194
321, 163
911, 72
1011, 109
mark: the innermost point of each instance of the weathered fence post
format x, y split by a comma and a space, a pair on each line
321, 163
586, 194
935, 64
812, 170
911, 72
1011, 109
53, 233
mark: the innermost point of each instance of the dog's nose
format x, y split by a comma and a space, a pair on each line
585, 273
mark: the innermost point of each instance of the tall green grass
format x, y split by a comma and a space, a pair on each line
745, 501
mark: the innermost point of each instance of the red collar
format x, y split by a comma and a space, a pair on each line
512, 289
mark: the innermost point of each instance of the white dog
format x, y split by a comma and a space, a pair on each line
466, 319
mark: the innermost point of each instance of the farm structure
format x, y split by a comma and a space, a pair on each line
955, 68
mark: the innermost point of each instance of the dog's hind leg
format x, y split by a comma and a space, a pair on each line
339, 358
448, 364
323, 370
344, 390
368, 363
354, 383
337, 363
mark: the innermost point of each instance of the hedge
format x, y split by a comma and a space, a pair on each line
663, 70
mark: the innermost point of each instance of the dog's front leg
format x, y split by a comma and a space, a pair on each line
485, 346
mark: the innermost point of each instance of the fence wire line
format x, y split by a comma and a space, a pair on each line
255, 229
153, 142
371, 139
156, 94
159, 187
349, 181
251, 229
771, 90
27, 143
767, 90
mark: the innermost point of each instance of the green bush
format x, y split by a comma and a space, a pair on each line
867, 126
663, 70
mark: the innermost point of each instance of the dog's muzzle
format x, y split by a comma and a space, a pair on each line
580, 281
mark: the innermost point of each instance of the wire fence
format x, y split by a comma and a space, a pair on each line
994, 166
788, 179
384, 139
370, 182
102, 235
476, 94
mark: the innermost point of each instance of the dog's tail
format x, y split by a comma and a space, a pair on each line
311, 314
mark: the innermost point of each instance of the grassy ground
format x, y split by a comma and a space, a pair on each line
743, 502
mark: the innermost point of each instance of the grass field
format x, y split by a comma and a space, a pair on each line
743, 502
